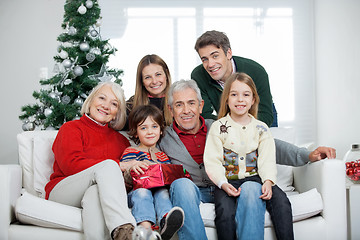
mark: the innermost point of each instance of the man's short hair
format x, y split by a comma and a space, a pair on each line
219, 39
180, 86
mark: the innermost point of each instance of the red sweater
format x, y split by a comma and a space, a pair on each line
81, 144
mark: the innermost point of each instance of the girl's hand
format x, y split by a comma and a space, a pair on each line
230, 190
139, 166
266, 189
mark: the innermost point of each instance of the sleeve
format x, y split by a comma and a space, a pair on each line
213, 156
128, 155
289, 154
266, 157
265, 112
208, 109
69, 151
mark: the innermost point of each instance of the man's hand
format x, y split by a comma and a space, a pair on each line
321, 153
230, 190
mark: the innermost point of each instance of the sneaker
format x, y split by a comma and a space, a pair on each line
123, 232
171, 223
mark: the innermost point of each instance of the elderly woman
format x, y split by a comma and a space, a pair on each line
87, 153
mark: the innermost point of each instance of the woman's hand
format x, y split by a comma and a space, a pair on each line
230, 190
139, 166
266, 189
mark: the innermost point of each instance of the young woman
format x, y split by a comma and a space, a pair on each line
153, 81
146, 128
87, 162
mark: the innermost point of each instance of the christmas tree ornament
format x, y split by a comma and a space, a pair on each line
84, 46
67, 44
28, 126
95, 51
78, 101
65, 99
83, 95
102, 76
98, 22
90, 57
108, 47
89, 4
82, 9
48, 112
78, 71
72, 31
94, 33
67, 81
67, 63
63, 54
52, 95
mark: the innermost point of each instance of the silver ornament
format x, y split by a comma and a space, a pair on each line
89, 4
98, 22
95, 51
68, 44
78, 71
48, 112
63, 54
82, 9
52, 95
65, 99
84, 46
28, 126
67, 81
83, 95
66, 63
78, 101
93, 33
90, 57
72, 31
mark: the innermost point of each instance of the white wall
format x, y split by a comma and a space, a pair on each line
337, 51
28, 42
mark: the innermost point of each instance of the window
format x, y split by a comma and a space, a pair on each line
276, 34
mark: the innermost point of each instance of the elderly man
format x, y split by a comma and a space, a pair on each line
184, 143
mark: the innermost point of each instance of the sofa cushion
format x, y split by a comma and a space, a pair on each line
33, 210
304, 205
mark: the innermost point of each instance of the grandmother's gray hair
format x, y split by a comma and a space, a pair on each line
181, 85
120, 118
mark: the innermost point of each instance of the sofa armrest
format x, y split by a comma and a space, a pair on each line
328, 177
10, 188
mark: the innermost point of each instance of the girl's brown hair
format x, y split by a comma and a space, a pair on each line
139, 114
141, 94
242, 77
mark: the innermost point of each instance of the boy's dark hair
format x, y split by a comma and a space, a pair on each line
219, 39
139, 114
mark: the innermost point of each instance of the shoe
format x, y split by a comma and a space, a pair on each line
171, 223
123, 232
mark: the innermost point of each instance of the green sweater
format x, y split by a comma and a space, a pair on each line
211, 90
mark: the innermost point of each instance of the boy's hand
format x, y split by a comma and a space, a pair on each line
230, 189
266, 189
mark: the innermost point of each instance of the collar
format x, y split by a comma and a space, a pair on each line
202, 127
222, 82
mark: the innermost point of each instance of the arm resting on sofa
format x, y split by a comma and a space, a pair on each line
328, 177
10, 188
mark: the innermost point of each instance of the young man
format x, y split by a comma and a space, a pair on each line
184, 143
218, 64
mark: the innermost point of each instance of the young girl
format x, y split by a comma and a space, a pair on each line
146, 127
240, 155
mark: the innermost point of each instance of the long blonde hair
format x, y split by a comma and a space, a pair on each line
244, 78
141, 94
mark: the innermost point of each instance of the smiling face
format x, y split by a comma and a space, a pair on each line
104, 106
215, 62
186, 110
154, 80
240, 101
148, 133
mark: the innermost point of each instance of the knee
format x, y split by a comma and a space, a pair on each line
183, 189
250, 191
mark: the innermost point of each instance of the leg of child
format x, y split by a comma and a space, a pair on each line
143, 210
250, 212
170, 218
279, 208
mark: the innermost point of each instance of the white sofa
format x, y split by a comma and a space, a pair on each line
316, 191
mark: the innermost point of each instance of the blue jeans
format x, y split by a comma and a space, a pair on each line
185, 194
248, 211
148, 204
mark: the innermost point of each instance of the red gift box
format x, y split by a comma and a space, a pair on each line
158, 175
